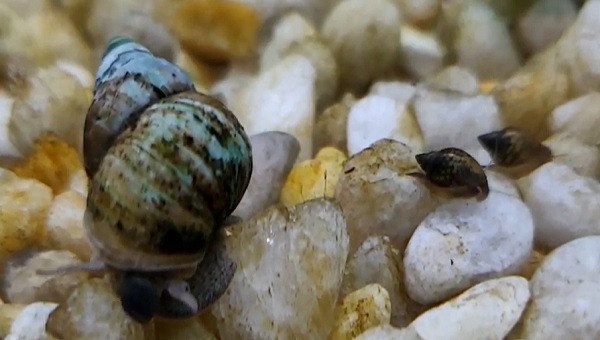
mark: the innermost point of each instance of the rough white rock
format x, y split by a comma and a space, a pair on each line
364, 36
290, 264
456, 79
376, 117
399, 91
464, 242
421, 52
578, 118
461, 118
273, 155
544, 22
565, 294
564, 205
483, 43
30, 324
281, 99
488, 310
294, 35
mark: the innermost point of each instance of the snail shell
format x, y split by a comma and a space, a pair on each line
514, 152
167, 167
166, 183
453, 173
129, 79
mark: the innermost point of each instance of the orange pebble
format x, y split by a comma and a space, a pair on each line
216, 31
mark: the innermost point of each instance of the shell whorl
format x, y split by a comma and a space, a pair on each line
128, 80
167, 163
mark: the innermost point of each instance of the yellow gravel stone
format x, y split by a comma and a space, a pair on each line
313, 178
361, 310
24, 205
53, 163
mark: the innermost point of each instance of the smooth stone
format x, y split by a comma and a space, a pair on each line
462, 118
565, 294
464, 242
368, 48
565, 206
578, 118
273, 156
282, 98
377, 117
377, 196
455, 79
30, 323
377, 261
422, 54
488, 310
290, 265
483, 43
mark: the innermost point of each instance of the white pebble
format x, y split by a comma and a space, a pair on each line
565, 294
464, 241
281, 99
544, 22
483, 43
564, 205
421, 52
578, 118
488, 310
454, 78
399, 91
376, 117
294, 35
461, 118
365, 38
30, 324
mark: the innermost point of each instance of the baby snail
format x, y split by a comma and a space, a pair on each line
514, 152
167, 167
452, 173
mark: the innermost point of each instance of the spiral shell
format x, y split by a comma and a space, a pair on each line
454, 172
514, 152
128, 80
167, 164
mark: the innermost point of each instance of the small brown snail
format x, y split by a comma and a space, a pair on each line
167, 167
514, 152
452, 173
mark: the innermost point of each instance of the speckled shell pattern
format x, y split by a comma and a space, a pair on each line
167, 164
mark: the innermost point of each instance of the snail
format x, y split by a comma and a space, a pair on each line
167, 167
514, 152
452, 173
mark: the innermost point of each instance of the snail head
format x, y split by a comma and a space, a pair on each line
143, 297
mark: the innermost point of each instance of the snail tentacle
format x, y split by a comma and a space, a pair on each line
93, 266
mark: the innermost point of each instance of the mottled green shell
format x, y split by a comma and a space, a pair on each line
167, 182
128, 80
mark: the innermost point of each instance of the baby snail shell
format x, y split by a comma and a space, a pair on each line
167, 166
514, 152
452, 173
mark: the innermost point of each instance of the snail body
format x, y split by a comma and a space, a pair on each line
514, 152
452, 173
167, 167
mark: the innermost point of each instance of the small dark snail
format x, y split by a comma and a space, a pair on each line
514, 152
167, 167
452, 173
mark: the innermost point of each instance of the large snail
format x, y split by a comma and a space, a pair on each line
167, 166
